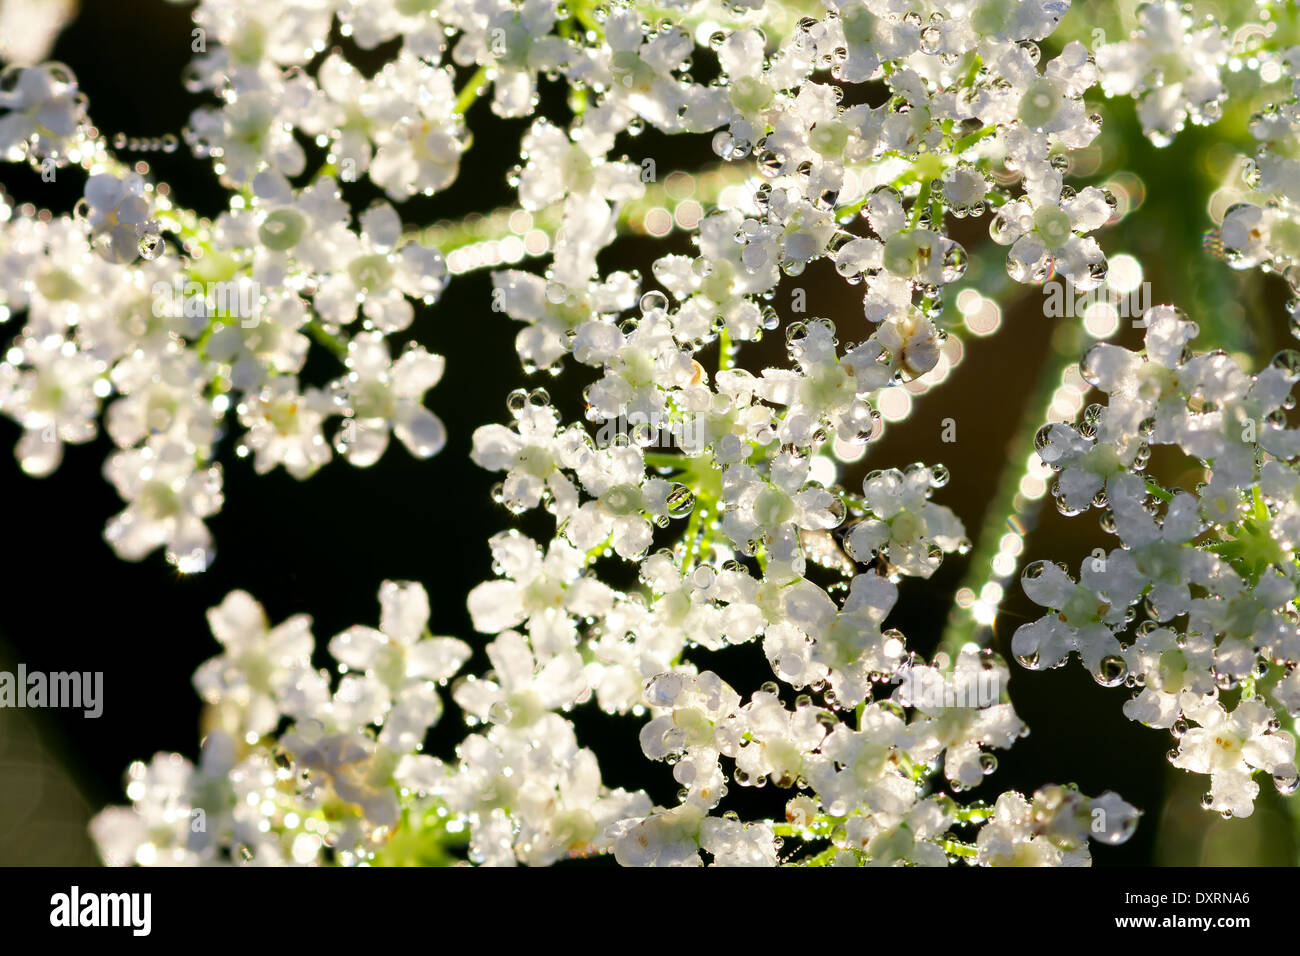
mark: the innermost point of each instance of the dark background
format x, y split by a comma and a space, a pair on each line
324, 545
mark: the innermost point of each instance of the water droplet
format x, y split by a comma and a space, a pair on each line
955, 261
680, 501
1033, 571
1111, 671
151, 246
653, 301
1288, 362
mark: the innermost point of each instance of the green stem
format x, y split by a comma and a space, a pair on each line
332, 342
1153, 488
659, 459
918, 206
1009, 509
969, 140
692, 534
471, 92
585, 16
449, 235
824, 858
726, 357
965, 850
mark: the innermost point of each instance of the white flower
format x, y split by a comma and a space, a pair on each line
1231, 747
664, 838
857, 768
1177, 670
533, 455
904, 528
524, 688
624, 504
1083, 614
695, 712
718, 282
54, 400
1172, 69
1053, 829
162, 399
168, 498
869, 38
779, 742
542, 589
1046, 231
732, 843
348, 767
118, 214
553, 310
259, 665
382, 395
519, 43
1257, 235
961, 728
284, 427
419, 149
378, 271
405, 659
249, 134
180, 814
43, 109
913, 841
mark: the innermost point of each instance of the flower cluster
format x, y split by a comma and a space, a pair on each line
296, 772
1212, 570
327, 788
166, 327
1053, 828
858, 138
1172, 66
1261, 230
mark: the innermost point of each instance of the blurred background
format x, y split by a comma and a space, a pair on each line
324, 545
